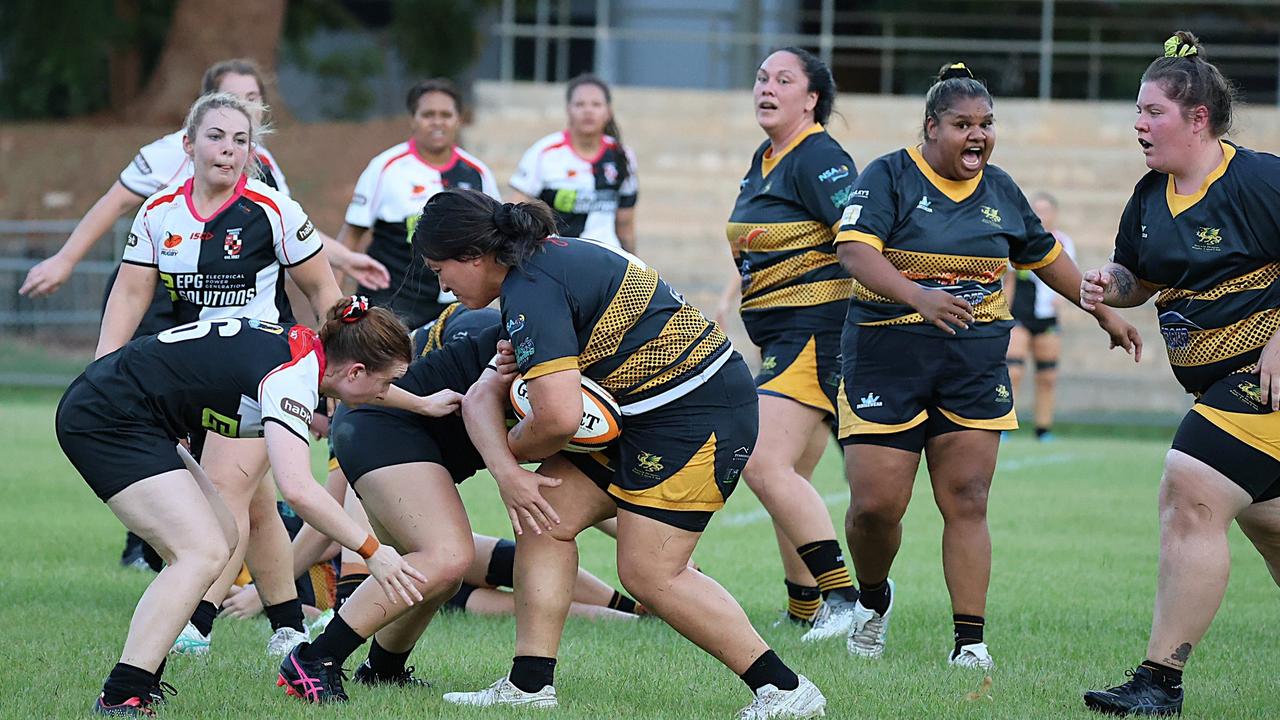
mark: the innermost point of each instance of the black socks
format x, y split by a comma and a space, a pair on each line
968, 629
531, 674
203, 617
826, 563
768, 669
127, 681
337, 641
1169, 679
875, 597
285, 614
385, 663
802, 602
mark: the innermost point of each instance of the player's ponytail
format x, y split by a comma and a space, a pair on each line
1190, 80
611, 127
461, 224
954, 82
355, 331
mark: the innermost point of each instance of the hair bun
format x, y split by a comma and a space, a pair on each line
357, 307
1181, 44
954, 70
503, 218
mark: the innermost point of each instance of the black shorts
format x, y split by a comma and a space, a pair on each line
1038, 326
802, 366
161, 314
900, 388
110, 449
1231, 431
368, 438
458, 602
678, 463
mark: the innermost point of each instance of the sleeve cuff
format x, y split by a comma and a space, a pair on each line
139, 263
551, 366
135, 191
859, 236
627, 201
1042, 262
286, 426
299, 262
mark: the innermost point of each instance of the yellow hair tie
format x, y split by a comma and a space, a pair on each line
1175, 47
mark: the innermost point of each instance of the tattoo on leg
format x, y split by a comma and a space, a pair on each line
1182, 653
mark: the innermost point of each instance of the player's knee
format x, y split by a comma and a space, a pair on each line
872, 512
644, 581
966, 501
1187, 507
207, 559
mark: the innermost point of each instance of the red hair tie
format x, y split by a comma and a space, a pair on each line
358, 308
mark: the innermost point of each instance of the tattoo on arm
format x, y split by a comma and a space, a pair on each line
1125, 289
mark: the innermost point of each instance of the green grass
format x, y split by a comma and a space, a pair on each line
1074, 528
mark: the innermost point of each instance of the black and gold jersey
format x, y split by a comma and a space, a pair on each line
455, 322
781, 232
1215, 256
582, 304
957, 236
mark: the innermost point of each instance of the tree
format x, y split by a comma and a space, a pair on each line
201, 34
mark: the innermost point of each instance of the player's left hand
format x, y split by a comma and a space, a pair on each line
1123, 335
445, 402
368, 272
243, 603
1269, 372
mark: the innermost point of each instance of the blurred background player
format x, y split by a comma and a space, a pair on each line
1035, 333
584, 172
794, 294
932, 230
220, 244
391, 191
1201, 234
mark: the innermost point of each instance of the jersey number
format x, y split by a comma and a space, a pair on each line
196, 330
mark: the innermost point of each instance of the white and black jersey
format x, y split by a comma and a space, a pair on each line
388, 198
1032, 298
226, 376
230, 263
164, 163
585, 192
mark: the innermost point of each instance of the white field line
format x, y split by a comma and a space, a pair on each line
759, 514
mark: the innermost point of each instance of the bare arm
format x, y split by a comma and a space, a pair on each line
368, 272
625, 226
729, 298
1064, 278
131, 295
870, 268
315, 278
555, 412
46, 277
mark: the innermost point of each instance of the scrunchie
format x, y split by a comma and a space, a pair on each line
956, 70
1176, 47
358, 308
502, 216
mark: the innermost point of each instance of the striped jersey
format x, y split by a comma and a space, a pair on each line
1214, 255
957, 236
782, 227
585, 192
620, 324
230, 263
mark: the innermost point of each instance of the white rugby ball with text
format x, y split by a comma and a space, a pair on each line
601, 420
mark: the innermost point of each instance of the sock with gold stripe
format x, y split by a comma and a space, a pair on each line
802, 602
968, 629
826, 564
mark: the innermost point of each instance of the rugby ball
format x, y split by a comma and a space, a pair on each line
601, 420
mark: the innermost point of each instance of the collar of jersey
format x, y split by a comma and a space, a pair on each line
1180, 203
957, 190
191, 207
769, 161
567, 141
453, 157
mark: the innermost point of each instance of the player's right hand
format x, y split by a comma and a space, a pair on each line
943, 309
396, 576
521, 492
46, 277
1093, 288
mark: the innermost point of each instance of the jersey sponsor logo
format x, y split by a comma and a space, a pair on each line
418, 190
648, 465
296, 409
141, 163
210, 289
834, 174
610, 170
515, 324
1176, 329
524, 351
1003, 395
990, 216
218, 423
132, 241
305, 231
231, 244
1208, 239
872, 400
842, 197
851, 215
198, 236
924, 204
566, 200
173, 240
767, 187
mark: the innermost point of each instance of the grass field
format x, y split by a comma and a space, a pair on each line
1074, 529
